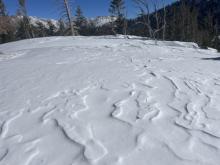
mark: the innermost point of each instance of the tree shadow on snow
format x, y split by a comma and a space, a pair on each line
213, 58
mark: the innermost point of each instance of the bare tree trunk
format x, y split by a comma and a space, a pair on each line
25, 19
157, 21
69, 16
125, 28
113, 25
164, 20
143, 6
148, 20
160, 22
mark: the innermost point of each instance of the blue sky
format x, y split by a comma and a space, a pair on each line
49, 9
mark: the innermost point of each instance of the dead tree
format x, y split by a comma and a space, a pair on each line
125, 27
164, 20
143, 6
69, 15
155, 21
65, 6
25, 22
3, 11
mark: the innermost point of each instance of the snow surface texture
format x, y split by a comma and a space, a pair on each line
108, 101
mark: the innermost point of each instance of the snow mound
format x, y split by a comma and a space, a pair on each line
108, 101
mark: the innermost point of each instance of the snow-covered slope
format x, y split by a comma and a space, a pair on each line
108, 101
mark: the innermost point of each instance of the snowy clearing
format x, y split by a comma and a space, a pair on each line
108, 101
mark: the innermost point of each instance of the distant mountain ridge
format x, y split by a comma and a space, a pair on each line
97, 21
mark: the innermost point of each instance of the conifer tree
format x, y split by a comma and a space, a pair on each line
41, 30
80, 20
62, 28
116, 9
3, 11
51, 28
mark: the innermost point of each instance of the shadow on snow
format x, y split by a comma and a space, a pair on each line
213, 58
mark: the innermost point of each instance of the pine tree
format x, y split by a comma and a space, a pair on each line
21, 31
41, 30
116, 9
80, 20
194, 25
3, 11
62, 28
51, 30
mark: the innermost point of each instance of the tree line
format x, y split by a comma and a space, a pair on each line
184, 20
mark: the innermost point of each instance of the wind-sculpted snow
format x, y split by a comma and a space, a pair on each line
108, 101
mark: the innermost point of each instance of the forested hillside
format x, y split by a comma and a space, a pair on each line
186, 20
195, 20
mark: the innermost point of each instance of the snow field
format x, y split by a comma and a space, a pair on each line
108, 101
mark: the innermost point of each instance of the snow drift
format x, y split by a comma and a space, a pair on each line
108, 101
